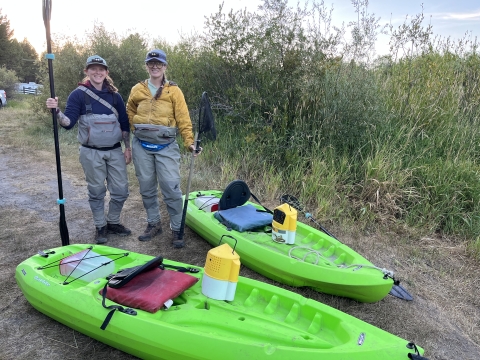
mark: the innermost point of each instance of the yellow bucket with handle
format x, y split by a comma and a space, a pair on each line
220, 278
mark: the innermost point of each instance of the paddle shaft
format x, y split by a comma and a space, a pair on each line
187, 193
47, 10
204, 106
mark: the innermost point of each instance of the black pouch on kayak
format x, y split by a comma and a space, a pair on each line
122, 277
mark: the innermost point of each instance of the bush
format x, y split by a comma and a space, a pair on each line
8, 79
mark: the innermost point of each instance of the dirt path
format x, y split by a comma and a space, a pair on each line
444, 317
29, 218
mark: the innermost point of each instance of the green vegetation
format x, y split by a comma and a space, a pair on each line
371, 142
8, 78
18, 57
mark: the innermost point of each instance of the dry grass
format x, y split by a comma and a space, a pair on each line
444, 317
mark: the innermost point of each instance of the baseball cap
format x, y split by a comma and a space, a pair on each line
96, 60
156, 54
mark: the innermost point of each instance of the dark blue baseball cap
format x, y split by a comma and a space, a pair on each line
158, 55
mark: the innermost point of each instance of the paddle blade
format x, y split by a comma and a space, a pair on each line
206, 120
47, 11
63, 226
400, 292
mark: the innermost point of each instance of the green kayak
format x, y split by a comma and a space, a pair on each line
261, 322
315, 260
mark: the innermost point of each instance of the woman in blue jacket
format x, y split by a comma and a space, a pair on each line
102, 124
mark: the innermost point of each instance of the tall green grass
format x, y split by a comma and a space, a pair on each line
394, 145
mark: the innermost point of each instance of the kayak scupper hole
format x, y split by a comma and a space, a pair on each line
203, 306
306, 337
180, 300
241, 318
269, 349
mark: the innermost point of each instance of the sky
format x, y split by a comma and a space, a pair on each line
169, 19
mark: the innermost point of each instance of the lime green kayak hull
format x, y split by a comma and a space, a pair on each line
262, 322
316, 260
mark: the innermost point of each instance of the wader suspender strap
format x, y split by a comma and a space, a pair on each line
88, 106
99, 99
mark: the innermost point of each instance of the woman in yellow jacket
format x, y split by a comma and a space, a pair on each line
157, 110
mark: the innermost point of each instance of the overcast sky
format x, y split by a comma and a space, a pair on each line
167, 19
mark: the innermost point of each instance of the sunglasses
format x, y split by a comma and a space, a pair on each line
97, 60
152, 64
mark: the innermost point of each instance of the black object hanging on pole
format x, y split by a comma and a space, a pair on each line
47, 12
206, 127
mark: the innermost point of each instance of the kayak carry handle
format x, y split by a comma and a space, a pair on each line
233, 252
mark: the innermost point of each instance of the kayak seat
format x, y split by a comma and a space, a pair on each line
236, 194
234, 214
244, 218
151, 289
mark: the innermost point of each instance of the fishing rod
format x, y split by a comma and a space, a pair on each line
294, 202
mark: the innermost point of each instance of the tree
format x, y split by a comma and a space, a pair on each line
124, 56
23, 59
264, 55
30, 64
364, 33
20, 57
5, 35
126, 63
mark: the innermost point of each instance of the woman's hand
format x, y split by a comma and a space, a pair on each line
62, 119
128, 155
52, 103
195, 151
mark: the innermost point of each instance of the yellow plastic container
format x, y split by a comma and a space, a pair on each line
284, 224
220, 278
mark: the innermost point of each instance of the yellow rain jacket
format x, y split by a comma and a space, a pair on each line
170, 109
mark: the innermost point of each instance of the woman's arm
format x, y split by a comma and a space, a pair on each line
62, 119
131, 108
123, 120
73, 109
182, 116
